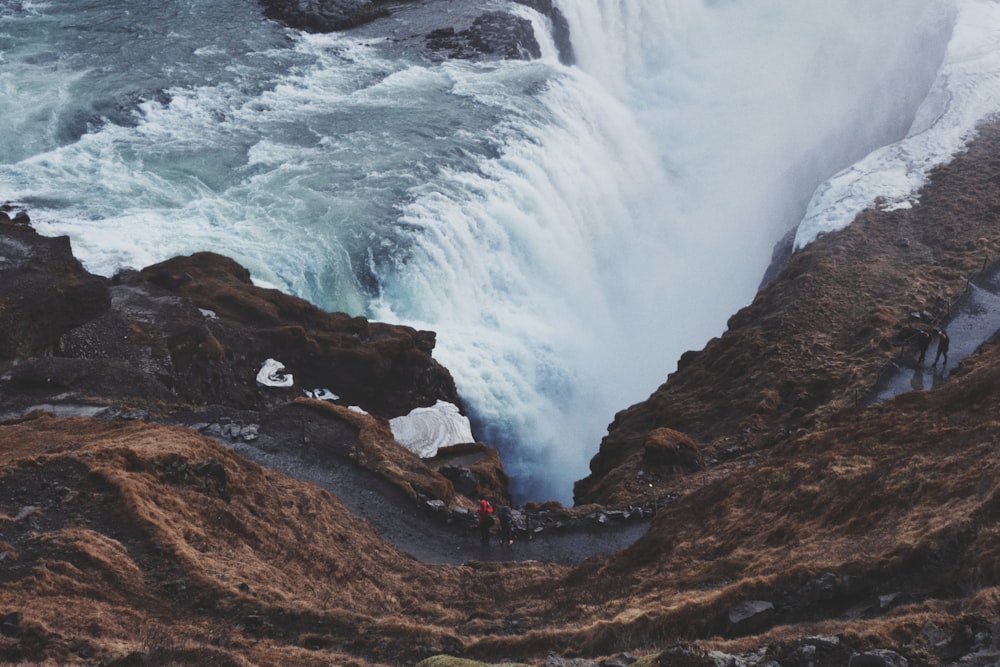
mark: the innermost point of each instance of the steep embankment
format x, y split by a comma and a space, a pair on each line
168, 549
813, 340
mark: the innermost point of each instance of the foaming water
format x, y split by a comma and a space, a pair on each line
567, 231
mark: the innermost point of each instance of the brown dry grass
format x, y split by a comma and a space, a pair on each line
134, 544
901, 497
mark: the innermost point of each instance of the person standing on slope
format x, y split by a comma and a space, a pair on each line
485, 513
506, 526
942, 346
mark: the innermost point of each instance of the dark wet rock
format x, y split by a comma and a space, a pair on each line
11, 213
190, 331
461, 32
878, 658
466, 482
622, 660
210, 329
10, 624
560, 28
496, 34
475, 469
44, 292
749, 617
324, 15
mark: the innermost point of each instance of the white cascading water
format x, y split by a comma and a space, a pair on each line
643, 210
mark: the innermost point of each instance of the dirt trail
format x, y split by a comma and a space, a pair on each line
974, 319
418, 533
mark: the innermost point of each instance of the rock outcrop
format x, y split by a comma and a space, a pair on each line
560, 28
325, 15
492, 34
451, 30
44, 291
192, 331
183, 342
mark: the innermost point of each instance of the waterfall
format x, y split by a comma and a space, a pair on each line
685, 144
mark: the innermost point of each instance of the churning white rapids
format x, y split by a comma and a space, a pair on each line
568, 231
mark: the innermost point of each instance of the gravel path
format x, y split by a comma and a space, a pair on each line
422, 535
975, 318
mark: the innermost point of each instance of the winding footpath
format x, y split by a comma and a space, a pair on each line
396, 518
975, 317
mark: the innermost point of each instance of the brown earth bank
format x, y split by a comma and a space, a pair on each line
805, 528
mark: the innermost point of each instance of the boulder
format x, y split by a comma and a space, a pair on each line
877, 658
475, 470
464, 480
667, 448
749, 617
492, 34
324, 15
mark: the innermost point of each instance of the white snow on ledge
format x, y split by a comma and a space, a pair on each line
272, 374
966, 92
425, 430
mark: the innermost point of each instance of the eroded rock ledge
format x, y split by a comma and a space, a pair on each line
192, 331
184, 341
460, 30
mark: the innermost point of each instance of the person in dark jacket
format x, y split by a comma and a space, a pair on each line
942, 346
506, 526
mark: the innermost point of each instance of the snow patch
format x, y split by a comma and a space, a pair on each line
425, 430
965, 93
272, 374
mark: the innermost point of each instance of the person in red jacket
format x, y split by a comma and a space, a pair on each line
485, 513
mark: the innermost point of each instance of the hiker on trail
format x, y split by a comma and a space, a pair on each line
506, 526
942, 346
922, 339
485, 514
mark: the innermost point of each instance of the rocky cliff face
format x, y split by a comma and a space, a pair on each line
192, 331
